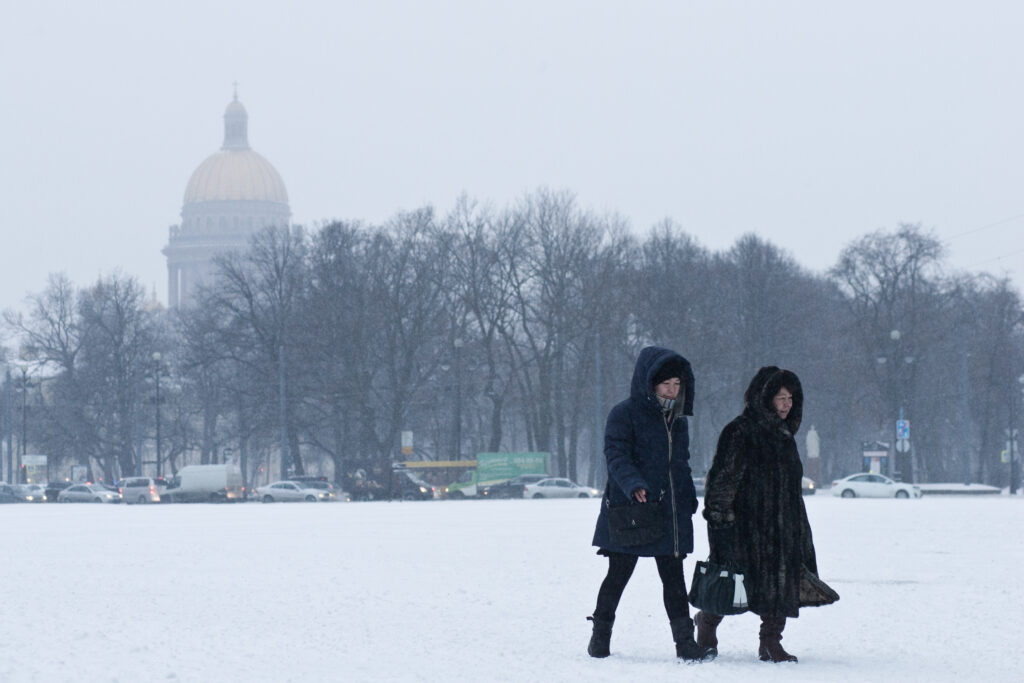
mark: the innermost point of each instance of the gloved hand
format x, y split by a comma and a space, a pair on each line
722, 539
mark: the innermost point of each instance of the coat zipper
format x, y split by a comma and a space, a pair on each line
672, 489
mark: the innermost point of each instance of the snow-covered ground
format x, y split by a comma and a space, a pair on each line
480, 591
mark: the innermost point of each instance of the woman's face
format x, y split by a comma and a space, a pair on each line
783, 402
669, 388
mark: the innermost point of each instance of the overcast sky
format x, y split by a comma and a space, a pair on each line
810, 123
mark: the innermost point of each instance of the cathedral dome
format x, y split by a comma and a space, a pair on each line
236, 172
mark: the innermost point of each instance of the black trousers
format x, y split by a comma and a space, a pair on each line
620, 569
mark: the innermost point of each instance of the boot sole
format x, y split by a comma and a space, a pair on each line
765, 658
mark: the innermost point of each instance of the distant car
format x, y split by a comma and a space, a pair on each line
32, 493
291, 492
513, 488
698, 485
8, 494
319, 483
867, 485
807, 486
142, 489
88, 493
411, 487
54, 488
558, 487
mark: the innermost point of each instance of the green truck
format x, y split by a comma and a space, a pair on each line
494, 468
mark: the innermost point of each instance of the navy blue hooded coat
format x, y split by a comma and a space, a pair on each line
645, 450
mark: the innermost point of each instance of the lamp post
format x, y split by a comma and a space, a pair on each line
156, 376
283, 396
458, 397
24, 421
901, 445
9, 404
1011, 440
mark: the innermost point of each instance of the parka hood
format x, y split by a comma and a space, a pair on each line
758, 397
652, 359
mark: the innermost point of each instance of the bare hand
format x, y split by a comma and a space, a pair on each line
640, 495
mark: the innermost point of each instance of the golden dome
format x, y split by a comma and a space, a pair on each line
236, 174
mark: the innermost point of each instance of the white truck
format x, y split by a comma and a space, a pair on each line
205, 484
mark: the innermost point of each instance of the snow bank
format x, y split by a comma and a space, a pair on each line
479, 591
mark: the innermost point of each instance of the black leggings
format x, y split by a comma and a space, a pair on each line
620, 568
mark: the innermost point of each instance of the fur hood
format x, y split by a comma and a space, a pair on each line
758, 399
648, 363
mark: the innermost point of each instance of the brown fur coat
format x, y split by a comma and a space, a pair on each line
754, 486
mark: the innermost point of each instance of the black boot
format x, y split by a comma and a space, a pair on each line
770, 649
686, 647
601, 638
707, 625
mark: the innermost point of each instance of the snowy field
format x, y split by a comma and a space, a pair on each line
480, 591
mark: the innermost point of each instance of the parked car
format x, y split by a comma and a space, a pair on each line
807, 486
319, 483
291, 492
558, 487
513, 488
88, 493
31, 493
411, 487
54, 488
142, 489
867, 485
9, 495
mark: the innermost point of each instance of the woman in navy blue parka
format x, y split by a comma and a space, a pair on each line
646, 446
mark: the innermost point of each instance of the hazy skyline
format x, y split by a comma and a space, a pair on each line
810, 124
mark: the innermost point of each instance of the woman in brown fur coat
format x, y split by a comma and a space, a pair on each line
755, 510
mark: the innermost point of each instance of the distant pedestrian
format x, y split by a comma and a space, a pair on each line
646, 446
755, 510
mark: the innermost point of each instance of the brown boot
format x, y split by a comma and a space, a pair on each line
770, 649
707, 623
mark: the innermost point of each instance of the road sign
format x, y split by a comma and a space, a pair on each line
902, 445
902, 429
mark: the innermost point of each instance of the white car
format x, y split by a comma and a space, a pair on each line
88, 493
142, 490
291, 492
558, 487
873, 486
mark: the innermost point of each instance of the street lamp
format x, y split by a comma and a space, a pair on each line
9, 404
458, 397
1011, 440
156, 377
901, 444
24, 422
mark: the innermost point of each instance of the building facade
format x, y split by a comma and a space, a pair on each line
230, 197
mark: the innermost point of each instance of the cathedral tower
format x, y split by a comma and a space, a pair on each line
233, 194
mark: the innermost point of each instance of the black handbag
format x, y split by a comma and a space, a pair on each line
718, 589
636, 523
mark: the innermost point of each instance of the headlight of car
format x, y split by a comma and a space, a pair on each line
423, 489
